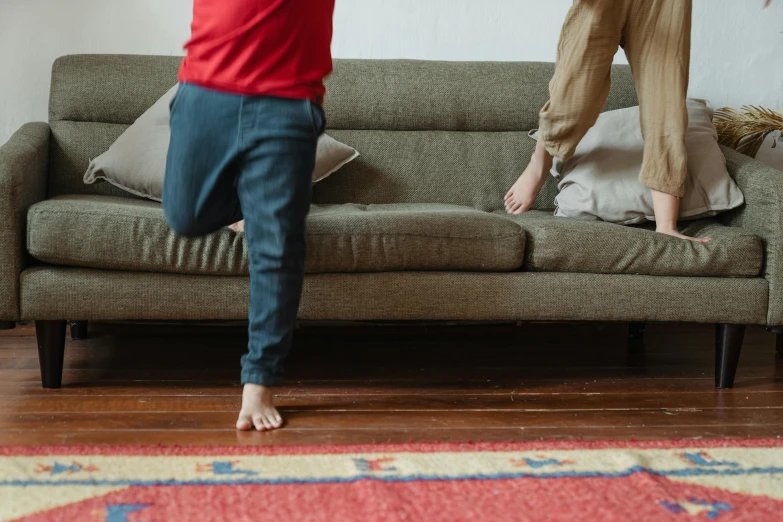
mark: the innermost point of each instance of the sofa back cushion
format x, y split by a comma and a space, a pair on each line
93, 99
428, 132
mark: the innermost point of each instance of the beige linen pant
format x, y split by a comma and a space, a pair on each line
656, 36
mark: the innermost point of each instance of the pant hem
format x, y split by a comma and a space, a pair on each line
676, 191
260, 378
557, 150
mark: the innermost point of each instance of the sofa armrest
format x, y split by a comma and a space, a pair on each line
24, 168
761, 214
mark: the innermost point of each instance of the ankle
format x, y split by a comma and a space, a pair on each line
257, 390
666, 228
542, 155
544, 158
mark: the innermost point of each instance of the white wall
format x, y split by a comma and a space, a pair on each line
737, 47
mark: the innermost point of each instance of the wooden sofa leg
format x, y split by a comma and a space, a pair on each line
7, 325
636, 330
51, 350
79, 330
728, 344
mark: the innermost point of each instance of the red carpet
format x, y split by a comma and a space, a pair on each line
657, 481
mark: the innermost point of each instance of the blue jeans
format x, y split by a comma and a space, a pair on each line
248, 157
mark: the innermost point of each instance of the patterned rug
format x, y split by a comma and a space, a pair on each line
655, 481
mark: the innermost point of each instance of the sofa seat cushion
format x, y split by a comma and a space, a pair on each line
125, 234
557, 244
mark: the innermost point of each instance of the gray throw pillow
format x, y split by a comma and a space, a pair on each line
601, 181
136, 162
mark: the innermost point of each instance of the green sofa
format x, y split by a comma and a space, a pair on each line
412, 230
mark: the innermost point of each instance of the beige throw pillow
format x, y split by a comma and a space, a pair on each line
136, 162
601, 181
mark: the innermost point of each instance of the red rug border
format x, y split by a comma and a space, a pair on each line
338, 449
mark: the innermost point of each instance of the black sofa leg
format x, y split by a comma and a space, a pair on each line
778, 331
79, 330
636, 330
728, 344
51, 350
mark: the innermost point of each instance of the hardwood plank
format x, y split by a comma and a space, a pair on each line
166, 358
380, 375
303, 418
400, 402
628, 386
289, 436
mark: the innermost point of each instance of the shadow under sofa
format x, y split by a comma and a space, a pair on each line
413, 230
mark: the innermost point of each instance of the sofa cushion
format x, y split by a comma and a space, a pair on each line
556, 244
126, 234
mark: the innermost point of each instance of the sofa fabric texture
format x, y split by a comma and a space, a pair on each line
557, 244
124, 234
51, 292
762, 215
24, 162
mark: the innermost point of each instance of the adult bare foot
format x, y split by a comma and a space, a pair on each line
675, 233
523, 194
667, 211
238, 227
257, 409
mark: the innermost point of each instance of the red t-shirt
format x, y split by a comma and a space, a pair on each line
261, 47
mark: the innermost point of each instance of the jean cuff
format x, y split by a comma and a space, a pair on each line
260, 378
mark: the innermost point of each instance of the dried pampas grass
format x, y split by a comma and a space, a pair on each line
746, 130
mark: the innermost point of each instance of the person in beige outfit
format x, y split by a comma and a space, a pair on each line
656, 37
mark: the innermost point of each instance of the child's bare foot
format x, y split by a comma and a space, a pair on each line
523, 194
257, 409
238, 227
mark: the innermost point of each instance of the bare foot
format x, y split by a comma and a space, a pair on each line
257, 409
523, 194
238, 227
667, 210
675, 233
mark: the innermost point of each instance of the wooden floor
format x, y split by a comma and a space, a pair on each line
177, 385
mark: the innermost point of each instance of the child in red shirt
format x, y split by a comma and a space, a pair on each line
244, 129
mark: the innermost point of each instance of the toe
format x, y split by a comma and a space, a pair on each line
258, 422
244, 423
276, 419
267, 423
